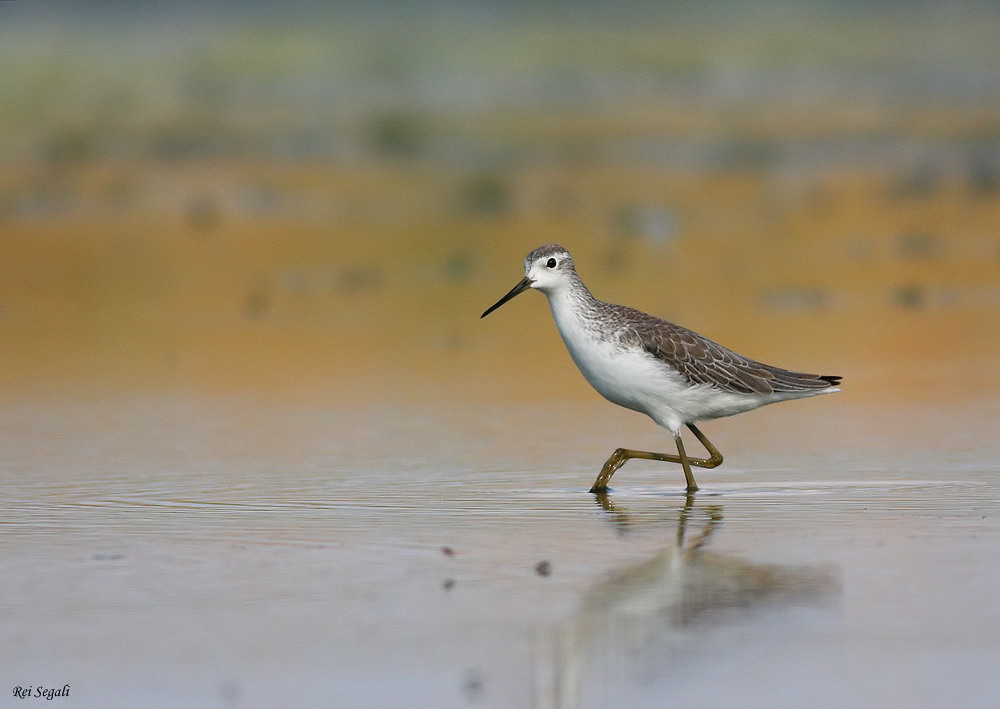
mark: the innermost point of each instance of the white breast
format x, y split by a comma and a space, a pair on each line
621, 374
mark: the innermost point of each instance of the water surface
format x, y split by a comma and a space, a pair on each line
162, 550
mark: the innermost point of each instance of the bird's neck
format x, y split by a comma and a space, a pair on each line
572, 305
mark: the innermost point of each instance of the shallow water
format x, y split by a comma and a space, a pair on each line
168, 550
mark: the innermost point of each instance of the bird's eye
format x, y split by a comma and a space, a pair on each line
551, 263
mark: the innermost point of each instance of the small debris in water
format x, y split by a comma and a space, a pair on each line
229, 692
447, 551
543, 568
473, 685
448, 584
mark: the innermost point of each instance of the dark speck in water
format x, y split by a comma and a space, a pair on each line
473, 685
229, 692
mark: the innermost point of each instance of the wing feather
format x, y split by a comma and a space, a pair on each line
702, 361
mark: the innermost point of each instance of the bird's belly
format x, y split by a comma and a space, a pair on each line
637, 381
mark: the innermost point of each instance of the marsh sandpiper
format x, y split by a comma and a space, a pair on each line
671, 374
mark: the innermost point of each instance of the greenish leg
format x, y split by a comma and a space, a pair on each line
623, 455
714, 459
692, 486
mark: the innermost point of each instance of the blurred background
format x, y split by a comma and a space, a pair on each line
300, 197
247, 402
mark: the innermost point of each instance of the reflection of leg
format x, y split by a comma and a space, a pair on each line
621, 519
623, 455
714, 518
682, 522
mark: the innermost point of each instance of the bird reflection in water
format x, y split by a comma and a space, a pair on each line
637, 616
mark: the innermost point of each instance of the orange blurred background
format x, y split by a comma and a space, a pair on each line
307, 200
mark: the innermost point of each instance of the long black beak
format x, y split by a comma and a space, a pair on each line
524, 285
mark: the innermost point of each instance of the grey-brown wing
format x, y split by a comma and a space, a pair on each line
701, 361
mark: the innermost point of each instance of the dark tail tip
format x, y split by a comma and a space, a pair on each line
833, 379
